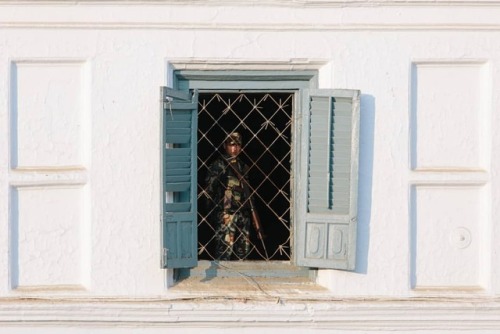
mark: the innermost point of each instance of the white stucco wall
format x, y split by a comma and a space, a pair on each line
79, 160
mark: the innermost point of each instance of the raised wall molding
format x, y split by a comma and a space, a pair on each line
286, 3
49, 175
247, 27
254, 15
339, 314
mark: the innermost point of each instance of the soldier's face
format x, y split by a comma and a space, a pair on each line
233, 149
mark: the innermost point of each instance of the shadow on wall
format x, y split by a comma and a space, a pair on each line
366, 139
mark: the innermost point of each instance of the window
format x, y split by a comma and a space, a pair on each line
322, 163
264, 120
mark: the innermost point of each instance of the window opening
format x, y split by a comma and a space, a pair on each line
264, 120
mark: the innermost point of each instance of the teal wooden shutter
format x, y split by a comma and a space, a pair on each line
326, 230
179, 161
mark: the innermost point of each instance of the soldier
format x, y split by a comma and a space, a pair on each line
231, 216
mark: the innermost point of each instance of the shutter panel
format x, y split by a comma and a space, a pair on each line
326, 230
179, 166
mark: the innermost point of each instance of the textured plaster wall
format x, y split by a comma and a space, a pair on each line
79, 149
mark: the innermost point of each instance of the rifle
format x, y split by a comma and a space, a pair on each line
255, 216
256, 219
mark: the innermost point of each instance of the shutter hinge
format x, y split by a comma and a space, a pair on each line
167, 105
164, 257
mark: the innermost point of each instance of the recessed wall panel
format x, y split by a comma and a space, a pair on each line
447, 225
48, 237
47, 110
448, 111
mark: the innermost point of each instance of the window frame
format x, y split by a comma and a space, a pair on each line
260, 80
302, 83
245, 79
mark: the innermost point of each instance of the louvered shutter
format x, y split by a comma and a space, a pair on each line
326, 230
179, 161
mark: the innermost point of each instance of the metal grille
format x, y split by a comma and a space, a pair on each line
265, 122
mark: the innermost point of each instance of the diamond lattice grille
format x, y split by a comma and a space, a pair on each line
264, 120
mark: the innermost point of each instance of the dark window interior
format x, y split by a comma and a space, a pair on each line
265, 122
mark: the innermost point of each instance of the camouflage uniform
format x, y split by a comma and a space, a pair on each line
231, 215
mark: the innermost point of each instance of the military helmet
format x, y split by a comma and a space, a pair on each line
234, 138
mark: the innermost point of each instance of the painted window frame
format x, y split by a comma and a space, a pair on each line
304, 85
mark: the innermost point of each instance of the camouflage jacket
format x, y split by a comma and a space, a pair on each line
224, 189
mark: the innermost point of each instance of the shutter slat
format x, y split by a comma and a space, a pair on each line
177, 131
340, 175
318, 209
343, 122
176, 187
177, 172
316, 181
168, 93
343, 104
319, 153
340, 150
342, 133
181, 106
178, 152
177, 179
178, 207
183, 116
177, 165
178, 125
178, 159
178, 139
341, 188
340, 141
